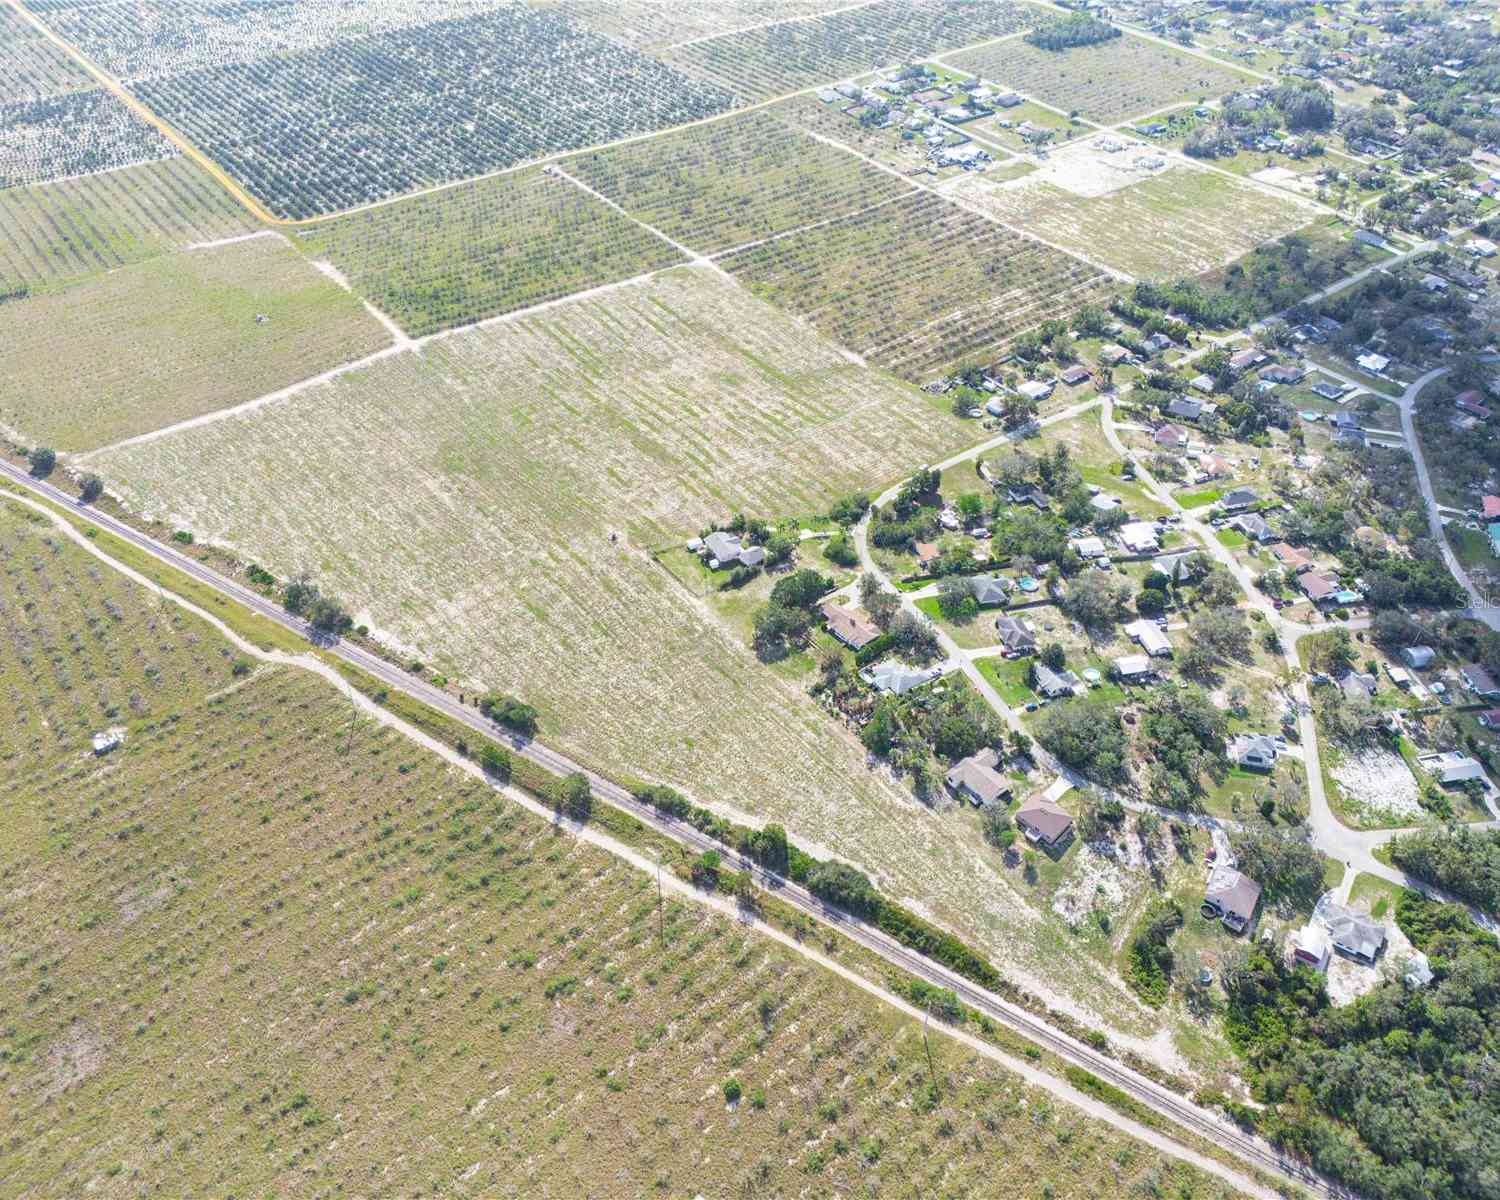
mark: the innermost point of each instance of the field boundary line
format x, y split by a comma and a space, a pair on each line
1084, 1103
235, 240
692, 255
786, 233
159, 123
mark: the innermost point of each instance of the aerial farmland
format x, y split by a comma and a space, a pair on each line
748, 598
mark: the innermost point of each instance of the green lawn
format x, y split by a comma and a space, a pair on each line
1232, 538
1008, 677
1380, 893
1199, 499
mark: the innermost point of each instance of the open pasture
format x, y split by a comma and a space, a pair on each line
170, 338
1106, 83
316, 131
387, 975
461, 501
651, 25
31, 66
53, 232
757, 64
74, 133
1181, 221
918, 285
484, 248
717, 186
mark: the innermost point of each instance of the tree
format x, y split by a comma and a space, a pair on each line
913, 637
1223, 632
881, 603
327, 615
1096, 601
839, 883
1218, 588
957, 737
779, 548
779, 628
1054, 656
510, 712
90, 489
880, 731
970, 507
1289, 870
1084, 735
847, 510
42, 459
1151, 602
298, 595
770, 848
840, 550
496, 761
801, 589
997, 827
1333, 654
956, 598
573, 797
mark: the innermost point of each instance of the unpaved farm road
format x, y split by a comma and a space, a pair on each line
1167, 1104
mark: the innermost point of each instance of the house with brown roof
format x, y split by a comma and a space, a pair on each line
1173, 437
1231, 897
1016, 636
852, 628
1317, 588
927, 554
1291, 558
1075, 375
1113, 355
978, 779
1044, 823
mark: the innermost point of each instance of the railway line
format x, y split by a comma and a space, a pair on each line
1160, 1100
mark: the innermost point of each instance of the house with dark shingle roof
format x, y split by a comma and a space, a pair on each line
1044, 823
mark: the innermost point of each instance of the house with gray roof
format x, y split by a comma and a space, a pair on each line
990, 589
1185, 408
1255, 751
898, 678
1053, 684
1016, 636
1353, 934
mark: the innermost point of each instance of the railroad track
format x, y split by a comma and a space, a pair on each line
1152, 1095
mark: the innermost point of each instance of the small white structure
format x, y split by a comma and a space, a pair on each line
1373, 363
1131, 667
1451, 766
1035, 389
897, 678
1139, 537
1148, 635
107, 740
1089, 547
1253, 750
1311, 947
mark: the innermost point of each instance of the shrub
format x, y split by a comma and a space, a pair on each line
42, 460
732, 1091
496, 761
510, 712
90, 489
573, 797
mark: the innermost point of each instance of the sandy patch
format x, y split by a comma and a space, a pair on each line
1099, 165
1378, 781
72, 1059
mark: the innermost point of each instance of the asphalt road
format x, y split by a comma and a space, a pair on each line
1152, 1095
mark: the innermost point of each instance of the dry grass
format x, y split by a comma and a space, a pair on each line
1107, 83
461, 501
1182, 221
266, 948
172, 338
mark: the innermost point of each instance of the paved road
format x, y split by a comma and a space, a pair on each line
1164, 1102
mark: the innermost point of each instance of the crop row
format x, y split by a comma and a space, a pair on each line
55, 231
73, 134
729, 182
484, 248
919, 284
142, 39
654, 25
1127, 76
31, 67
775, 59
341, 125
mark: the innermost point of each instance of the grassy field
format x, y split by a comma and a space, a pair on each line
170, 338
484, 248
268, 947
918, 285
30, 65
1107, 83
55, 231
1182, 221
1044, 118
721, 185
462, 501
757, 64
